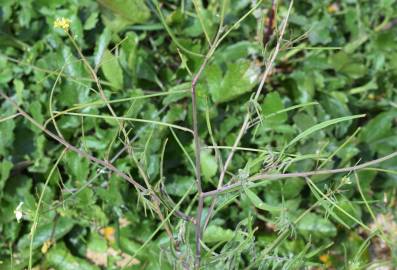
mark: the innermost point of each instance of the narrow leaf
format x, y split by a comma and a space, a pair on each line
258, 203
320, 126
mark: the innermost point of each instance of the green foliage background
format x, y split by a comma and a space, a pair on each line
338, 59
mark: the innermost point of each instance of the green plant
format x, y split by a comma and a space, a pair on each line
183, 142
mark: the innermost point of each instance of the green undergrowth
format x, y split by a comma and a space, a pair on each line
114, 80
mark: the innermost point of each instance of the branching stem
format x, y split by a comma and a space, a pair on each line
108, 165
245, 125
300, 174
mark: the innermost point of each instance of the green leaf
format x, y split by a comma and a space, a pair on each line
112, 193
313, 225
320, 31
271, 105
45, 232
77, 166
259, 203
126, 244
235, 52
6, 135
5, 70
91, 21
120, 13
378, 127
129, 53
320, 126
35, 110
97, 243
19, 87
94, 143
179, 185
345, 63
101, 45
209, 165
371, 85
214, 234
112, 70
239, 78
348, 207
60, 258
5, 169
292, 187
176, 113
305, 85
133, 11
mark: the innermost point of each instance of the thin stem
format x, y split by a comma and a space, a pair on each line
56, 73
9, 117
383, 236
128, 119
183, 149
237, 24
173, 37
197, 164
99, 86
73, 148
101, 92
101, 102
50, 102
301, 174
247, 117
196, 136
130, 149
84, 154
339, 148
197, 8
162, 222
200, 207
36, 214
215, 44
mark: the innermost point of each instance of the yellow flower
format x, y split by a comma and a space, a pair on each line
62, 23
326, 260
333, 8
47, 244
108, 233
